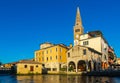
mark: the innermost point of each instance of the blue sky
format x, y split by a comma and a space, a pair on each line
25, 24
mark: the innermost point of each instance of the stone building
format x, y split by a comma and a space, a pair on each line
93, 39
96, 41
52, 56
81, 58
28, 67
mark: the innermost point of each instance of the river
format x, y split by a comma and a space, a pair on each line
57, 79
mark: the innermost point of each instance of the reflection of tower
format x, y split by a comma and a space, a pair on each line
78, 29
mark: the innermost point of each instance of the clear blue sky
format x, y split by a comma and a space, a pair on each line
25, 24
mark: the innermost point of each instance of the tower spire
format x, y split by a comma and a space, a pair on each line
78, 18
78, 28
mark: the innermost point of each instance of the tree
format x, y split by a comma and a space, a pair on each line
71, 68
0, 63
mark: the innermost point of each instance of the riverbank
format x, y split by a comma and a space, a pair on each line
103, 73
93, 73
5, 72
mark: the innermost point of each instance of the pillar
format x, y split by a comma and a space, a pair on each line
76, 67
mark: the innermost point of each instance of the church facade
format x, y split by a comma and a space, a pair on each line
82, 58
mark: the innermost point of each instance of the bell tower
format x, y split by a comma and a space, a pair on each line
78, 29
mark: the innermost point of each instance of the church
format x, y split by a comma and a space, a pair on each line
90, 50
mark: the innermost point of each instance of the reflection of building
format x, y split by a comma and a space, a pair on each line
92, 39
51, 56
42, 79
62, 79
81, 58
28, 67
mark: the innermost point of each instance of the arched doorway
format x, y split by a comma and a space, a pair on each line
81, 66
71, 66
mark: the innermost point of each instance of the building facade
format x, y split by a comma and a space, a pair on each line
52, 56
28, 67
96, 41
93, 39
81, 58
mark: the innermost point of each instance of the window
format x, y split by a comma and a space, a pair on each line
42, 52
48, 69
25, 66
47, 52
60, 66
47, 58
60, 57
50, 57
60, 49
68, 54
39, 53
77, 30
56, 56
84, 52
54, 69
105, 48
85, 43
56, 49
36, 65
105, 57
42, 58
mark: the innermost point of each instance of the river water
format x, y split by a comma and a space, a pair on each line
57, 79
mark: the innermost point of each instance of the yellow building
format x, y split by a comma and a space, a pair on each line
28, 67
52, 56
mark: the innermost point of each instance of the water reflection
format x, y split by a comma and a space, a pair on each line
58, 79
64, 79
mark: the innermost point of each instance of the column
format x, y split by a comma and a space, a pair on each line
76, 67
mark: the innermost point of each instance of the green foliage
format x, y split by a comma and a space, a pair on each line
0, 63
71, 68
63, 69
